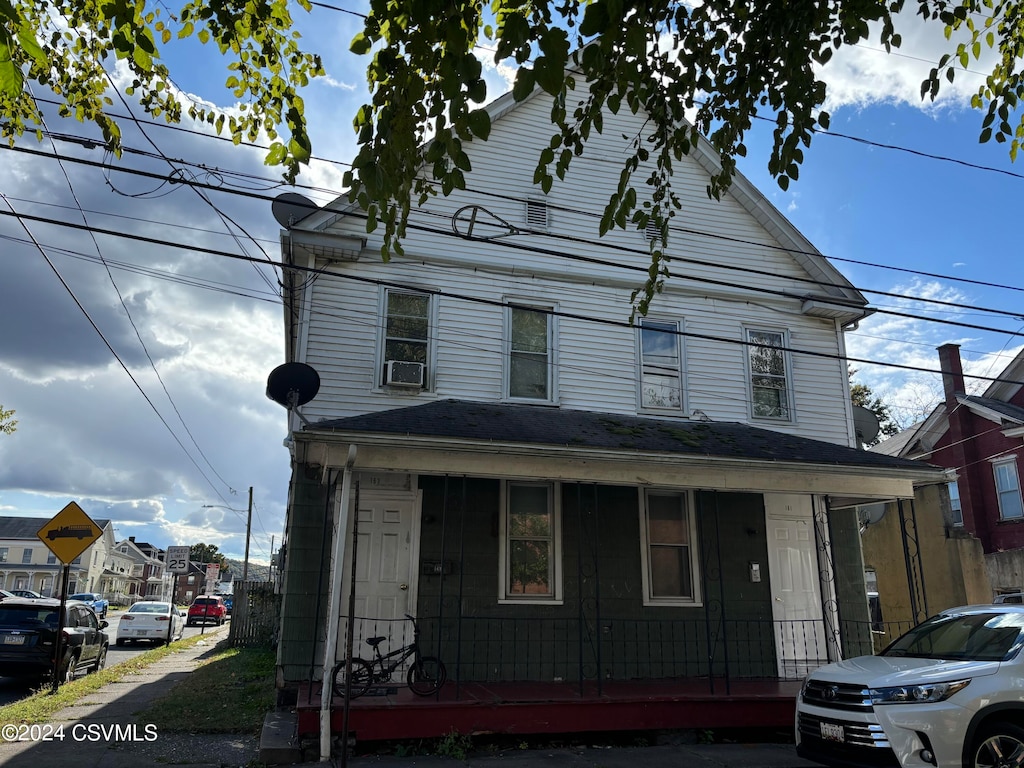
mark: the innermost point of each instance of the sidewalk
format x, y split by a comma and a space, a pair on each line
103, 731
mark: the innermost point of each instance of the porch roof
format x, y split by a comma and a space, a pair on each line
575, 443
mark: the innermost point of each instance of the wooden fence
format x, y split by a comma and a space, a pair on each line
255, 614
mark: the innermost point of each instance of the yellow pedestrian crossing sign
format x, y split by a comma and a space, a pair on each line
69, 533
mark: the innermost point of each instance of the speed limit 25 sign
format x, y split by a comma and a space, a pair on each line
177, 559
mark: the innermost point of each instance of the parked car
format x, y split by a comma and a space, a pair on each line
94, 600
5, 595
152, 621
28, 633
27, 593
207, 609
945, 694
229, 601
1012, 597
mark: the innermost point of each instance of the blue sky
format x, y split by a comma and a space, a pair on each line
86, 433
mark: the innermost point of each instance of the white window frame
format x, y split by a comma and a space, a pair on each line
787, 362
552, 356
694, 550
382, 340
1009, 462
26, 556
955, 506
676, 326
554, 493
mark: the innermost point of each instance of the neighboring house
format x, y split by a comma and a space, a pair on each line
558, 495
980, 440
190, 584
27, 563
147, 569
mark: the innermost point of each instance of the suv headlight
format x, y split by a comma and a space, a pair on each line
916, 694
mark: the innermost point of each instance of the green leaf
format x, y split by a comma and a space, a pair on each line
524, 84
595, 19
360, 44
480, 123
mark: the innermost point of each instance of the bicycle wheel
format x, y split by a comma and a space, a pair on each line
426, 676
360, 679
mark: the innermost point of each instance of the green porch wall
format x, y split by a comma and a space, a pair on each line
851, 592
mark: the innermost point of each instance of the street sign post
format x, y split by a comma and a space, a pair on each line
67, 535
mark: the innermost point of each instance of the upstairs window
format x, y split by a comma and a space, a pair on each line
1008, 488
406, 339
529, 355
661, 369
3, 554
769, 375
531, 544
26, 556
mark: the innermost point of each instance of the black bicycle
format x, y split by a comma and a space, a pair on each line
426, 673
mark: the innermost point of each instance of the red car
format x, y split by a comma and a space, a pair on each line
207, 609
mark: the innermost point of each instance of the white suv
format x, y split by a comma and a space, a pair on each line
948, 694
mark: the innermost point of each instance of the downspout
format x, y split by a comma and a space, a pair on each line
342, 514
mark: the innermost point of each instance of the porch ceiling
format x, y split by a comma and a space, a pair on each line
502, 440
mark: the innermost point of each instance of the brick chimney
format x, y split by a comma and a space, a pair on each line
952, 373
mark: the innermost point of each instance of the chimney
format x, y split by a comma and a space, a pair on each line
131, 539
952, 373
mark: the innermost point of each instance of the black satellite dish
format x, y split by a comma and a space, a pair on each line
293, 384
291, 207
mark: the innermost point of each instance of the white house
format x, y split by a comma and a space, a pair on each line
556, 493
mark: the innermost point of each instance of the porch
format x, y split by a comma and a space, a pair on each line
520, 677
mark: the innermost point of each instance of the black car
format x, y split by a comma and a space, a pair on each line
28, 632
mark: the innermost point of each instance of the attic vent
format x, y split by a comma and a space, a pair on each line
536, 213
651, 231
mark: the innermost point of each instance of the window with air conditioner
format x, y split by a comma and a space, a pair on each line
407, 343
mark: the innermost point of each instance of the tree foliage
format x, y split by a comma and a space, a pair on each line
7, 424
861, 395
208, 553
69, 46
727, 62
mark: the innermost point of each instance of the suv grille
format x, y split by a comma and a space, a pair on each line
855, 734
836, 695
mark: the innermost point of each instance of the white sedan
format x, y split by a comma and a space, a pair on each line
151, 621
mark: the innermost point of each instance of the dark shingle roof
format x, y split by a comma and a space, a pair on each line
1007, 410
531, 424
27, 527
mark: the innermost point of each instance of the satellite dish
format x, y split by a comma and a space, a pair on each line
293, 384
865, 423
292, 207
870, 514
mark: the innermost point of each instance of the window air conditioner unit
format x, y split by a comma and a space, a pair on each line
398, 373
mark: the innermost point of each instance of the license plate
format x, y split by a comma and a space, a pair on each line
14, 639
831, 731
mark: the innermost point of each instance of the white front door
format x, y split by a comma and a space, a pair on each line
796, 593
385, 571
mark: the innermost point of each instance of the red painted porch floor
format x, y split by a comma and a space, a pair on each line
547, 708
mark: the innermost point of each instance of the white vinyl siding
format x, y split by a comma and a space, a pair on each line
668, 538
531, 543
1008, 488
769, 375
661, 366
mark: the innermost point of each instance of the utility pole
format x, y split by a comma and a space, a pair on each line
248, 531
270, 570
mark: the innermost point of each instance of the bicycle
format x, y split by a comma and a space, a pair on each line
426, 674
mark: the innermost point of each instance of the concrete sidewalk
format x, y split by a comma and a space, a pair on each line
104, 731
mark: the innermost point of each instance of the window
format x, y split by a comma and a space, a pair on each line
1008, 489
529, 370
668, 533
51, 558
3, 554
406, 329
661, 370
954, 503
26, 556
769, 380
530, 558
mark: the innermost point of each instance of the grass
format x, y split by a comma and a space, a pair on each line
230, 693
38, 707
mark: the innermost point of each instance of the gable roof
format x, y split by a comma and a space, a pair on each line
837, 297
990, 407
482, 422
